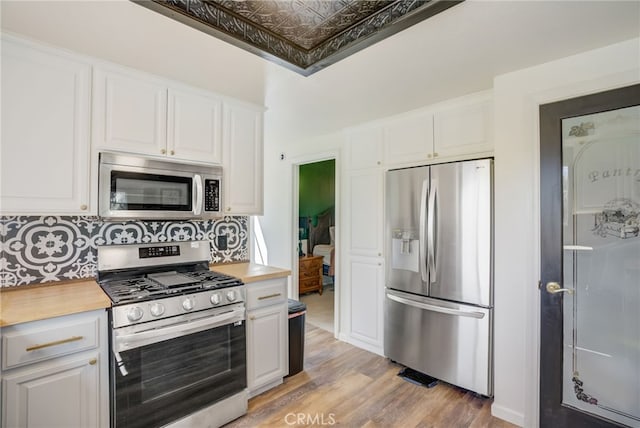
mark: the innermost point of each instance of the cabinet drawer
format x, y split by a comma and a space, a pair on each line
41, 340
310, 284
311, 264
266, 293
312, 273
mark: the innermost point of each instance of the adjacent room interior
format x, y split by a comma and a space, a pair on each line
316, 242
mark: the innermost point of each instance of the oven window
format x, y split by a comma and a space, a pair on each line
174, 378
167, 367
137, 191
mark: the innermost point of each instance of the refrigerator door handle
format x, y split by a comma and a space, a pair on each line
434, 308
423, 239
431, 220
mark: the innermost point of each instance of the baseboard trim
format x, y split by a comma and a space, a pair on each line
507, 414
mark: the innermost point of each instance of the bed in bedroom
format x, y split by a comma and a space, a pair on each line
322, 241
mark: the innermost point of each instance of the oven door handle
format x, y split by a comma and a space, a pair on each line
126, 342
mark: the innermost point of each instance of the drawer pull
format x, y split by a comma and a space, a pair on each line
269, 296
57, 342
93, 361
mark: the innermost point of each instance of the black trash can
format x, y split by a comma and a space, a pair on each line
297, 310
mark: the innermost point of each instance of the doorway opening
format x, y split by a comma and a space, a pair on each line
315, 240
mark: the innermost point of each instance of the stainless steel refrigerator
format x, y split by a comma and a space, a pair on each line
439, 272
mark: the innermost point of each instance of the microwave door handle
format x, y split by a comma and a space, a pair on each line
198, 197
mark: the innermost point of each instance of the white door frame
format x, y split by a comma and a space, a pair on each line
295, 180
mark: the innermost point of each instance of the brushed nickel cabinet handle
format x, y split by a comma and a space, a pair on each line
83, 207
270, 296
172, 152
252, 318
55, 343
93, 361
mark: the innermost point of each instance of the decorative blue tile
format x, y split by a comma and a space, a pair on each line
53, 248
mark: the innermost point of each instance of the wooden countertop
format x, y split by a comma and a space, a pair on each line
251, 272
24, 304
33, 303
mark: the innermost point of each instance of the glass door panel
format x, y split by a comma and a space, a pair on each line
601, 264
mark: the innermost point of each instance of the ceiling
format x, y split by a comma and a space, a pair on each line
305, 36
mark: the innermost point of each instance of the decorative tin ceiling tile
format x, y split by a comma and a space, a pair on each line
304, 35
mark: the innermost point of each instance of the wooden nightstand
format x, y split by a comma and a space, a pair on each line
310, 274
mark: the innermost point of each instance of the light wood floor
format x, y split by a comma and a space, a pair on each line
347, 386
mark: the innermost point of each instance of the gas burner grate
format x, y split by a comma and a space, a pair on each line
122, 291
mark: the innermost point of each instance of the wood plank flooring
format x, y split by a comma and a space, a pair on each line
342, 385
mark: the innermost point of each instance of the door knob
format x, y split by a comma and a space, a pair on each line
554, 288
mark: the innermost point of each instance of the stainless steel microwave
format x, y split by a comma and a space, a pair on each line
137, 187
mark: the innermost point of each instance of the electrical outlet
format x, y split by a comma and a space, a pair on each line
222, 242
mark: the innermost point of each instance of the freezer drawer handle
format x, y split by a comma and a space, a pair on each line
420, 305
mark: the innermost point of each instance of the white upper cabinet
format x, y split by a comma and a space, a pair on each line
194, 128
464, 126
451, 130
135, 112
242, 159
364, 148
129, 112
409, 138
45, 131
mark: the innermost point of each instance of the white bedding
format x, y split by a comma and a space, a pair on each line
323, 250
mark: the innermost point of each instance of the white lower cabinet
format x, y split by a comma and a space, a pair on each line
267, 334
366, 302
55, 372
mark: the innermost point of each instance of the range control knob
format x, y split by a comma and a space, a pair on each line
231, 296
135, 313
157, 309
188, 304
215, 299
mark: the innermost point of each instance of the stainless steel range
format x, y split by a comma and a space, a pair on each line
178, 350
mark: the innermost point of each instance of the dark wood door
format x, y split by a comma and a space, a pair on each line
590, 260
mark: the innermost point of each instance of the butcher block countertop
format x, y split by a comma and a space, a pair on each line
32, 303
251, 272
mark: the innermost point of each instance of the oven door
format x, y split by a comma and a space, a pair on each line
164, 372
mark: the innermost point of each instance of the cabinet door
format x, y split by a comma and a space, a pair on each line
268, 341
365, 212
409, 139
64, 393
194, 128
364, 148
129, 112
367, 285
45, 131
242, 160
465, 127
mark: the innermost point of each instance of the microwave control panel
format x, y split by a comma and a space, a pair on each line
212, 195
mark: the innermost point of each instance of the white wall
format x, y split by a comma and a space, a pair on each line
517, 96
516, 99
278, 222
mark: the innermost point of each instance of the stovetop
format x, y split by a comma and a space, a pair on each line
163, 284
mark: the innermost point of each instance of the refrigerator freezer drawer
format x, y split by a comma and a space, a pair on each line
449, 341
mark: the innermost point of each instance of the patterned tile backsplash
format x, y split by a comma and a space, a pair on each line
38, 249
